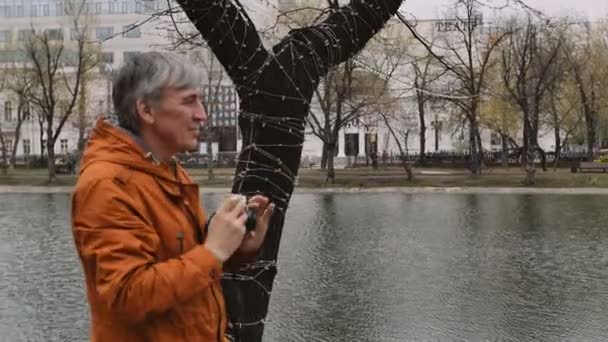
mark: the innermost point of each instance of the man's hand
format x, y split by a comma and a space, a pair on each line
227, 228
254, 239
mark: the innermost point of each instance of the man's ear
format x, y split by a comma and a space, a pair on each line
144, 111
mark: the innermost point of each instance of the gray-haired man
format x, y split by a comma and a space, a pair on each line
152, 267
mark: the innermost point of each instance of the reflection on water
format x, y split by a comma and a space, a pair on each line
364, 267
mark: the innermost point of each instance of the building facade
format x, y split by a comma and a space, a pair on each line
120, 29
116, 25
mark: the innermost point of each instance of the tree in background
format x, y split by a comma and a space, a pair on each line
586, 51
19, 85
3, 147
464, 51
58, 69
529, 69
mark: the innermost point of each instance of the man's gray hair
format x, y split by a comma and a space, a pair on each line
144, 77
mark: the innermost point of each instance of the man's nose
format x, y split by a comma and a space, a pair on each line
200, 114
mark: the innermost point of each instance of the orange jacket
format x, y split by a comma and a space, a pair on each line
136, 225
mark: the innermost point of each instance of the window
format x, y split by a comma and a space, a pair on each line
130, 31
113, 7
351, 144
24, 35
6, 11
5, 36
27, 115
146, 6
495, 139
63, 143
54, 34
8, 143
8, 111
107, 58
18, 11
98, 8
103, 33
26, 147
124, 7
34, 10
59, 9
43, 147
127, 55
45, 10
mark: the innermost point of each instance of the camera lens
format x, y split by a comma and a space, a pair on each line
251, 220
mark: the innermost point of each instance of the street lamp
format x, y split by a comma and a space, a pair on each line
436, 124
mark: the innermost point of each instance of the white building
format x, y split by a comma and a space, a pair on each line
444, 133
115, 25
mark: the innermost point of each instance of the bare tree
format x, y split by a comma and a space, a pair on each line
425, 76
464, 52
529, 60
19, 85
347, 94
399, 122
586, 51
563, 118
58, 69
3, 147
41, 121
421, 72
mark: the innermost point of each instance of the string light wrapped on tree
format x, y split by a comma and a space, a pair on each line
275, 89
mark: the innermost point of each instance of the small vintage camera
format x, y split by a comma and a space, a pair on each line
251, 221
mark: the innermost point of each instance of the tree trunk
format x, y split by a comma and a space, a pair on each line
324, 157
331, 172
41, 135
82, 110
421, 118
558, 140
530, 168
273, 107
473, 145
50, 150
13, 157
528, 152
17, 135
479, 149
503, 154
402, 154
4, 155
590, 126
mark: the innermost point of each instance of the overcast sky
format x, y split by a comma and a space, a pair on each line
429, 9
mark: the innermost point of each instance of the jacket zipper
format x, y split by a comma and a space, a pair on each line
199, 236
219, 315
180, 239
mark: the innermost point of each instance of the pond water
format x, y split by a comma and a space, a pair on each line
363, 267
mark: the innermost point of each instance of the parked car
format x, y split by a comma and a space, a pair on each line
67, 164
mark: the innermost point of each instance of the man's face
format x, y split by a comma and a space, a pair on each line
178, 117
